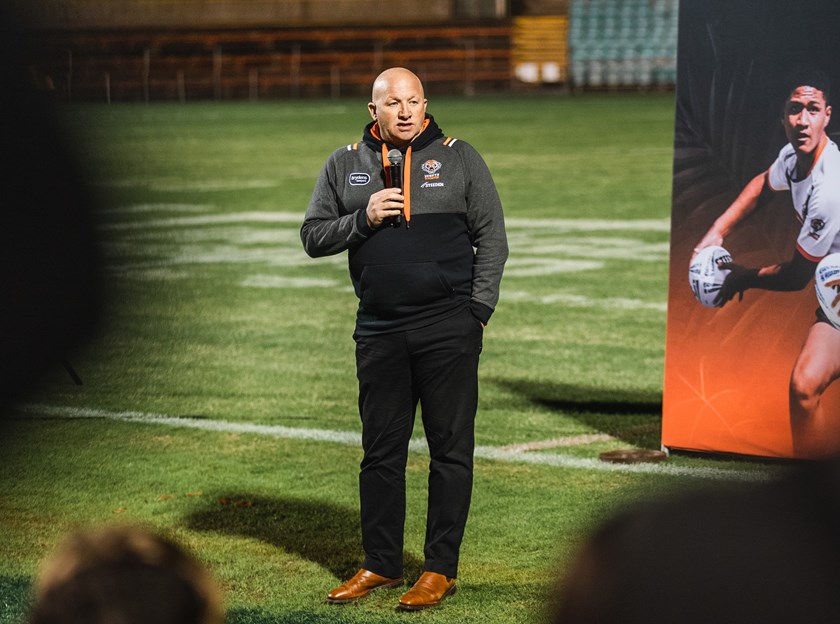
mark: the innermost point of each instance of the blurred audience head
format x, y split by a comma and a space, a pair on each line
124, 575
758, 552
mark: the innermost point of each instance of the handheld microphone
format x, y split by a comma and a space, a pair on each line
395, 158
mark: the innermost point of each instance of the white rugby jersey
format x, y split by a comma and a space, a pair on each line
816, 198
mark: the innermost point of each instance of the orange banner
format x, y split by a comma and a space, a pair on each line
728, 370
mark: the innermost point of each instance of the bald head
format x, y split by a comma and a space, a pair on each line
398, 106
394, 76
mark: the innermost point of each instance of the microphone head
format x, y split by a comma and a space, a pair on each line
395, 157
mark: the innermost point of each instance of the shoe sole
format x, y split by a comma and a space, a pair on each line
408, 607
340, 601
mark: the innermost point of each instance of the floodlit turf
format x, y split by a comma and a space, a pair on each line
216, 317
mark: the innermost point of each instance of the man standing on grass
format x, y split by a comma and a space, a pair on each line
426, 255
808, 166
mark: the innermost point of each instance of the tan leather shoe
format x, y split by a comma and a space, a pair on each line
362, 583
429, 590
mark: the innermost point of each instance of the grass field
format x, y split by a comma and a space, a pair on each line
219, 395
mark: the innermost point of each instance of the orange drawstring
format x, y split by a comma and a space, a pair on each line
407, 188
386, 164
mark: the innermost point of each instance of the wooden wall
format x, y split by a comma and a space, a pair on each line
133, 14
171, 64
153, 50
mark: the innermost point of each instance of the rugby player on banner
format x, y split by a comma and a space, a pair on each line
808, 166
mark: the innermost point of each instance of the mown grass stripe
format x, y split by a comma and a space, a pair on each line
417, 445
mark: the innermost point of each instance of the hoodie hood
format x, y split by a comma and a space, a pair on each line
430, 133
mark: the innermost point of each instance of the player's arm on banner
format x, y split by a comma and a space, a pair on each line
791, 275
743, 206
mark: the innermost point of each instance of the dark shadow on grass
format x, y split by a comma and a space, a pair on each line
324, 533
631, 416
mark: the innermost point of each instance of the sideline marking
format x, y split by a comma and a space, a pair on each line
416, 444
587, 438
214, 219
515, 223
162, 207
582, 225
280, 281
539, 247
581, 301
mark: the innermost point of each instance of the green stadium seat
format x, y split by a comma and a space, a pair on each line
623, 42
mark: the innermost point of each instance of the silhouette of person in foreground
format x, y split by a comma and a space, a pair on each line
50, 266
124, 575
764, 552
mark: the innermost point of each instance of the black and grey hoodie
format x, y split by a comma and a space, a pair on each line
451, 256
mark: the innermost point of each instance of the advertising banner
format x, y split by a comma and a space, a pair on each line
754, 376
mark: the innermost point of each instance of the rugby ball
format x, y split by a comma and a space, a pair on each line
705, 275
827, 283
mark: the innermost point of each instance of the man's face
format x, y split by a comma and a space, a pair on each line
805, 117
399, 107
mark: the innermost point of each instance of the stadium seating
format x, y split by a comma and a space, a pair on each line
597, 44
256, 63
540, 52
622, 43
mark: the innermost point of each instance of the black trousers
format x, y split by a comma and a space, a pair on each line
436, 366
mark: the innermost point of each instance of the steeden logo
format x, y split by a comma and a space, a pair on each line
358, 179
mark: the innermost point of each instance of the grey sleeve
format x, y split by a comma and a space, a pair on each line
326, 229
487, 230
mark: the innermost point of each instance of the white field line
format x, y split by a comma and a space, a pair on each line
531, 266
174, 185
588, 438
216, 219
584, 225
581, 301
143, 208
416, 445
279, 281
556, 225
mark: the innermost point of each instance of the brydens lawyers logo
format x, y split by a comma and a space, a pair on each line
358, 179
